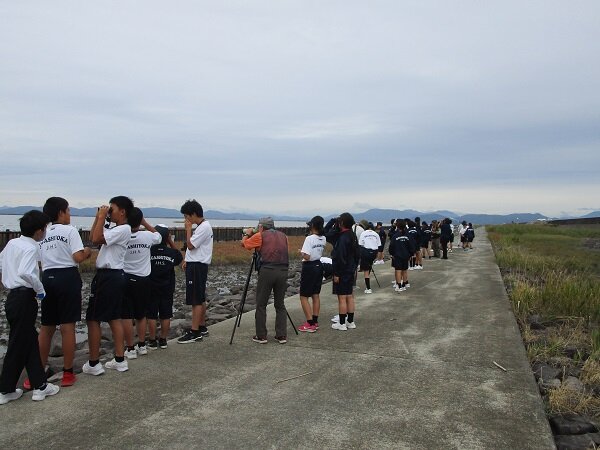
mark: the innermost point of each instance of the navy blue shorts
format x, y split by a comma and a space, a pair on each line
196, 274
345, 286
311, 278
62, 303
160, 304
135, 297
106, 295
366, 259
400, 264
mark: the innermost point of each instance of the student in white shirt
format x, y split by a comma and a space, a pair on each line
20, 275
369, 243
61, 251
198, 255
106, 295
137, 281
311, 276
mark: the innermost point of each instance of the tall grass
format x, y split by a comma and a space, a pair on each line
548, 270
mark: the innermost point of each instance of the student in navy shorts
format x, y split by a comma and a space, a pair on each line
61, 251
311, 276
164, 257
198, 255
345, 259
106, 294
137, 282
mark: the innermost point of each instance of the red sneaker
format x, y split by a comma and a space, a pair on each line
27, 384
68, 379
307, 327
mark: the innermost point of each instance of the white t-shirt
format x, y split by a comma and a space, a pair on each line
358, 230
112, 254
313, 246
137, 258
59, 246
19, 264
369, 239
202, 240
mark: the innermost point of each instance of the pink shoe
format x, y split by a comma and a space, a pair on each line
307, 327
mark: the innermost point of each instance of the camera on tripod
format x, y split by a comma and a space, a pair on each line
247, 232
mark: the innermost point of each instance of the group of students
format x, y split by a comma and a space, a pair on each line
134, 280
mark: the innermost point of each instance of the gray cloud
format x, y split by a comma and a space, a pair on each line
299, 106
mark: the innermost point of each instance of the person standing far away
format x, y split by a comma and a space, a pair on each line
106, 292
462, 228
425, 240
198, 256
272, 265
435, 238
445, 236
470, 235
369, 243
382, 237
61, 251
311, 276
20, 275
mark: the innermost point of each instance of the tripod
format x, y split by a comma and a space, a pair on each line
238, 319
375, 275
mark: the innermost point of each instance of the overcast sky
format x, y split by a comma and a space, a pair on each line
303, 107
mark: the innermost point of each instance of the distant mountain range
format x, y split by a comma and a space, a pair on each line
373, 215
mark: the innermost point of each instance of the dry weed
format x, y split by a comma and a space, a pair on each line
563, 400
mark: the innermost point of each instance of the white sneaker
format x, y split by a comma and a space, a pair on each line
339, 326
351, 325
394, 285
95, 370
419, 267
368, 291
336, 318
142, 350
5, 398
39, 394
399, 289
129, 354
411, 268
119, 366
407, 285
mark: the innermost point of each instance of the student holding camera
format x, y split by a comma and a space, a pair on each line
106, 295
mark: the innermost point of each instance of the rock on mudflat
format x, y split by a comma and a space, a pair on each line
573, 384
577, 442
564, 424
545, 371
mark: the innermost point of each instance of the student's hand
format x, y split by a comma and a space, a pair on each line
102, 212
336, 279
87, 252
183, 264
188, 225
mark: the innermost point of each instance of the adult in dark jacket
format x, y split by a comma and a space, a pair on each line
445, 236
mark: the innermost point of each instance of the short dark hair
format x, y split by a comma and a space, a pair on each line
123, 202
135, 217
53, 207
400, 224
32, 221
347, 220
192, 207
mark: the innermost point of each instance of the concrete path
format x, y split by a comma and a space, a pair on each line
417, 373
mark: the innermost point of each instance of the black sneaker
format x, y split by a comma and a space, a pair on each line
189, 337
204, 332
162, 343
152, 344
